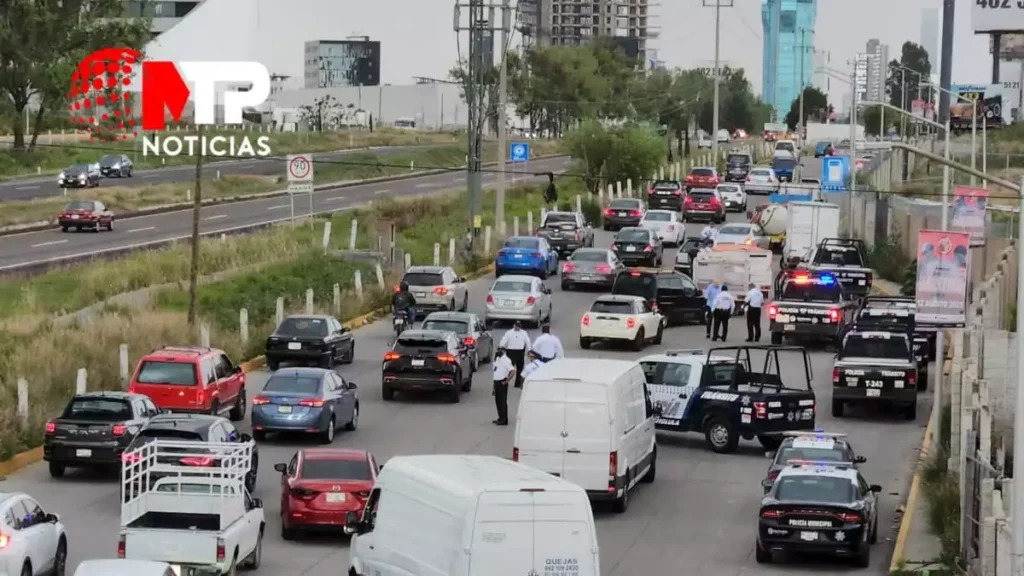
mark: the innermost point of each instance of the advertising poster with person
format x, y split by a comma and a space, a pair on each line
943, 268
969, 212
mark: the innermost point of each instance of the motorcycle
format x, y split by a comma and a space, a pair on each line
400, 322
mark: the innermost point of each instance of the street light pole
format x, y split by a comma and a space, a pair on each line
499, 207
717, 5
974, 139
800, 54
1018, 419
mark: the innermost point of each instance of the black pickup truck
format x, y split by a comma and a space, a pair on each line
875, 368
810, 306
896, 314
728, 393
565, 232
848, 260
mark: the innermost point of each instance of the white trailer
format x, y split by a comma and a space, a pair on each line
736, 267
809, 223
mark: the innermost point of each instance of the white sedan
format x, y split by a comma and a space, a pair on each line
32, 542
734, 197
761, 181
742, 233
515, 297
622, 318
666, 224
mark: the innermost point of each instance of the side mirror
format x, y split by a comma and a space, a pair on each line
876, 488
282, 468
656, 410
52, 518
352, 522
257, 503
769, 454
246, 438
237, 370
460, 279
860, 460
343, 330
352, 386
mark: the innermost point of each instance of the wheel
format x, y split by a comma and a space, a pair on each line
639, 341
387, 393
910, 412
770, 443
60, 559
354, 422
57, 470
585, 343
455, 394
566, 286
761, 555
26, 570
621, 504
720, 435
215, 408
110, 226
327, 436
63, 228
544, 273
451, 305
273, 365
467, 385
863, 558
351, 356
497, 272
238, 410
837, 408
873, 534
327, 361
606, 227
465, 303
653, 470
776, 338
476, 361
252, 562
660, 334
922, 380
259, 435
286, 532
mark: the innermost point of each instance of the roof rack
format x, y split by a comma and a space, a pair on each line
815, 433
685, 352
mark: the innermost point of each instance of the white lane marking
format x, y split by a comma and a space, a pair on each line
427, 185
146, 229
26, 187
53, 243
217, 217
338, 198
281, 207
382, 192
150, 175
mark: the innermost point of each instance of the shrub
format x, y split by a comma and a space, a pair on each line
889, 260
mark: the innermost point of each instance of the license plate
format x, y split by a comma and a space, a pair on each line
74, 217
335, 497
790, 327
585, 278
862, 282
295, 345
417, 362
399, 321
809, 536
622, 213
630, 248
517, 256
83, 453
782, 318
420, 294
873, 393
508, 303
284, 409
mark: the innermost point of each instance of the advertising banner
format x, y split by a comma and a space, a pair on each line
987, 99
969, 212
943, 268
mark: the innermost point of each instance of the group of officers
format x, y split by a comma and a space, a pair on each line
511, 366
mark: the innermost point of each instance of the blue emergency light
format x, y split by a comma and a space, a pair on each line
827, 279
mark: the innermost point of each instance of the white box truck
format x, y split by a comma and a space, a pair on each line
469, 515
200, 519
807, 224
735, 266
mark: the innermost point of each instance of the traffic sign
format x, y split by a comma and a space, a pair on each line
519, 152
834, 172
300, 173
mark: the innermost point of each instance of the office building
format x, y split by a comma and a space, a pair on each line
165, 13
860, 76
930, 29
788, 50
341, 63
820, 79
877, 69
632, 23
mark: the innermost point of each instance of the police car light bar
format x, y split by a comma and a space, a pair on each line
814, 434
823, 463
686, 352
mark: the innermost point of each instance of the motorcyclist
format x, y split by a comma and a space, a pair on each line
404, 301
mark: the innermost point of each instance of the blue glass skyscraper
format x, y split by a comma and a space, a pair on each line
788, 38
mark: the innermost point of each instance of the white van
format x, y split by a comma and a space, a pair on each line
123, 567
468, 515
591, 422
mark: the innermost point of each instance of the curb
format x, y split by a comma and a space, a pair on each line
911, 507
21, 461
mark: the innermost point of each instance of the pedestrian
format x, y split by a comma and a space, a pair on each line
710, 293
504, 371
755, 301
709, 233
725, 306
535, 362
547, 346
516, 343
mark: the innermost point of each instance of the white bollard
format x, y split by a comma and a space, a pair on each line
188, 195
579, 203
380, 282
122, 361
661, 173
515, 225
357, 282
618, 189
204, 336
327, 235
243, 325
309, 300
451, 251
163, 161
487, 239
503, 230
529, 222
39, 169
629, 187
600, 196
279, 311
218, 174
353, 234
336, 293
23, 400
437, 253
412, 165
408, 260
81, 381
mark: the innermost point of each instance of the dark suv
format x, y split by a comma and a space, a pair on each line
737, 167
429, 361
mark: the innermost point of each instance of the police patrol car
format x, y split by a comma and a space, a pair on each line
810, 306
819, 507
819, 446
875, 367
897, 314
717, 393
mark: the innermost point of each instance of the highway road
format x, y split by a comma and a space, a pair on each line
46, 186
698, 517
53, 245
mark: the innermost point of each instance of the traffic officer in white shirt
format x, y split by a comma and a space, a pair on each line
722, 310
709, 232
547, 346
516, 343
755, 301
504, 372
535, 362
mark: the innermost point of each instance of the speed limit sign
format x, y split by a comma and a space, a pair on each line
300, 173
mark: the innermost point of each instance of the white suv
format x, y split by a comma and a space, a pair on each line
29, 537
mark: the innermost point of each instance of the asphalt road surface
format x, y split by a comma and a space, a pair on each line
46, 186
699, 517
53, 245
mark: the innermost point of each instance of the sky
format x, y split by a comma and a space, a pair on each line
417, 37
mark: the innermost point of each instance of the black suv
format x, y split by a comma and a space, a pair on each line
737, 167
428, 361
673, 293
666, 195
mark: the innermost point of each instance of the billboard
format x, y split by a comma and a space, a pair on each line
997, 16
1011, 46
989, 99
943, 268
969, 212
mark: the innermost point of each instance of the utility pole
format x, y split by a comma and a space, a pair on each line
946, 65
717, 5
775, 61
197, 205
800, 54
506, 24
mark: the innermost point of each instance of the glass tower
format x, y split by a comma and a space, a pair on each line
788, 51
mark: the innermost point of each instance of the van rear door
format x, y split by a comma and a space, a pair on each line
533, 532
588, 431
540, 428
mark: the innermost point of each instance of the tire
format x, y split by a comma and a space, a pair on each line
761, 555
465, 303
476, 361
238, 410
863, 558
63, 228
354, 422
639, 341
287, 533
451, 305
60, 559
57, 470
776, 338
544, 273
770, 443
215, 408
720, 435
621, 504
110, 226
327, 436
468, 384
455, 394
922, 380
585, 343
328, 361
910, 412
351, 356
653, 470
273, 365
26, 570
838, 408
566, 287
387, 393
259, 435
873, 535
253, 561
660, 334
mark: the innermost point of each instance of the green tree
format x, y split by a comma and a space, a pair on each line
815, 108
739, 108
872, 118
913, 57
614, 154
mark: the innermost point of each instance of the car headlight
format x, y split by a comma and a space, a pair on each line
115, 167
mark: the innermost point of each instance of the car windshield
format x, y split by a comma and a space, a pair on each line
738, 160
423, 279
612, 307
331, 469
811, 292
79, 168
672, 185
839, 257
293, 384
457, 326
553, 218
420, 346
99, 409
186, 488
784, 146
895, 347
176, 373
761, 173
636, 284
528, 243
169, 434
701, 196
658, 217
523, 286
584, 256
783, 162
110, 160
624, 205
633, 236
734, 230
729, 189
702, 172
818, 488
80, 205
811, 450
303, 328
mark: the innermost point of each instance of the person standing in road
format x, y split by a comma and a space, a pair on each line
516, 343
755, 301
547, 346
504, 371
709, 233
725, 306
710, 293
535, 362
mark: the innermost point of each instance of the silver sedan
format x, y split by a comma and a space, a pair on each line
761, 181
516, 297
742, 233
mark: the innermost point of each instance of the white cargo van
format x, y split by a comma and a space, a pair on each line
591, 422
807, 225
468, 515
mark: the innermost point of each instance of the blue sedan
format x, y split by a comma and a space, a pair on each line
312, 400
526, 255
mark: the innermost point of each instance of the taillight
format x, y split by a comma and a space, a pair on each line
536, 255
631, 323
688, 200
118, 429
769, 480
833, 314
469, 341
603, 268
760, 410
304, 494
835, 375
773, 311
220, 549
613, 464
51, 427
678, 193
515, 454
490, 299
530, 301
576, 235
586, 319
130, 458
851, 517
260, 400
648, 248
197, 461
4, 540
569, 267
771, 514
634, 213
446, 358
441, 290
912, 378
713, 201
391, 356
312, 403
120, 547
650, 191
398, 289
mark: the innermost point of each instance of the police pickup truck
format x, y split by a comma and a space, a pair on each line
847, 259
718, 394
565, 232
810, 306
896, 314
875, 368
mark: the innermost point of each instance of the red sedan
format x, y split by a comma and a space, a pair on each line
320, 486
85, 214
